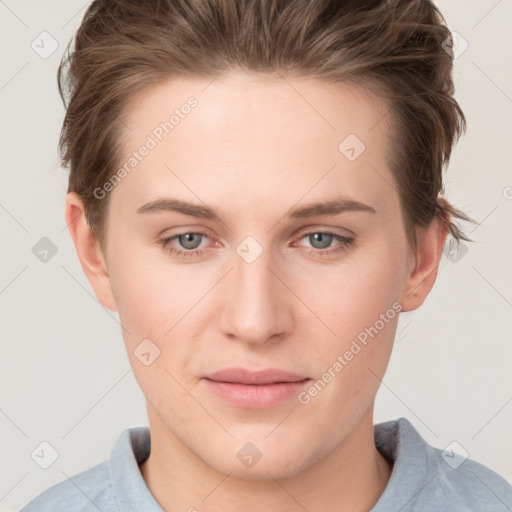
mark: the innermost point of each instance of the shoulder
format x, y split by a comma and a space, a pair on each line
463, 482
425, 477
88, 490
109, 486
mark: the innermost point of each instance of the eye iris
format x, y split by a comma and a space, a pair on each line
185, 241
320, 237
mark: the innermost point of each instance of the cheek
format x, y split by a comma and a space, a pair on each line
360, 304
145, 286
156, 302
351, 295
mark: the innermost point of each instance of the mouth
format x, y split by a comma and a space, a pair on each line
255, 389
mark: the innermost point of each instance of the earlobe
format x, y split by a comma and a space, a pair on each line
423, 270
89, 251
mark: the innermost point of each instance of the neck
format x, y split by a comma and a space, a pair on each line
351, 478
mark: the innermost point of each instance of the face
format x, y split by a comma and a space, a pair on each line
256, 277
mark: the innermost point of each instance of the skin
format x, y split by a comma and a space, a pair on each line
254, 148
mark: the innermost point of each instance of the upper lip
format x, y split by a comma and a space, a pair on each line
243, 376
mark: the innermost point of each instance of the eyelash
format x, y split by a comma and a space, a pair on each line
345, 243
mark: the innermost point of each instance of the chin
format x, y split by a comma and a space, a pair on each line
259, 461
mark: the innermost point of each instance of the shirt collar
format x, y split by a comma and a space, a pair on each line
131, 492
397, 440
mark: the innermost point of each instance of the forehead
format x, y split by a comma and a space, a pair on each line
253, 133
260, 105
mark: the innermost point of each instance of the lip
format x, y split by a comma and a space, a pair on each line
244, 376
255, 389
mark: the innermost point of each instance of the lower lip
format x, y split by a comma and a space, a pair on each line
255, 396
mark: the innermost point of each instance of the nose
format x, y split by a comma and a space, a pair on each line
257, 306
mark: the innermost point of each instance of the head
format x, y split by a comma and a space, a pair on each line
278, 121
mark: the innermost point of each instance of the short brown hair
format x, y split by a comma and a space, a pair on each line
393, 48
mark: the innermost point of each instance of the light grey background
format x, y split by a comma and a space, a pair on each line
65, 377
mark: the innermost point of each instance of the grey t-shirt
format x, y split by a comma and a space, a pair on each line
423, 479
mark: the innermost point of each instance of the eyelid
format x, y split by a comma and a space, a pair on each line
344, 242
297, 235
308, 230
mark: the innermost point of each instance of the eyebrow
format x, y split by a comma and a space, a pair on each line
331, 207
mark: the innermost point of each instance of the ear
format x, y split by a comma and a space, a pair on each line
424, 264
89, 251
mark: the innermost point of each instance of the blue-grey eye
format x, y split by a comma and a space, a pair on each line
187, 240
324, 240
